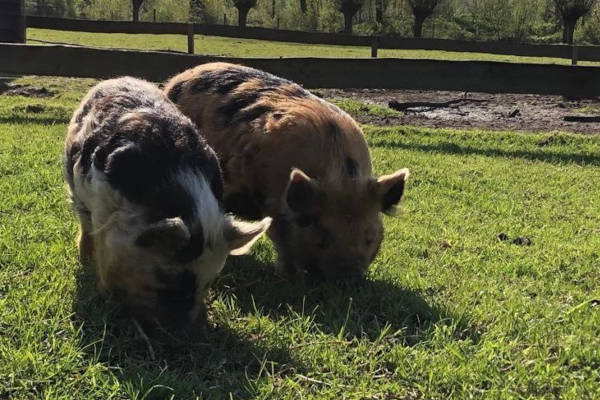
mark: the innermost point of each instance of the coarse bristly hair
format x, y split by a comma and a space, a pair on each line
288, 154
148, 192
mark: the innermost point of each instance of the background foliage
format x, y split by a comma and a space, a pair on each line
515, 20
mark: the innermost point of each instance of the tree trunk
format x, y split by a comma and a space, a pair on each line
136, 5
418, 25
379, 8
348, 22
569, 29
303, 6
243, 16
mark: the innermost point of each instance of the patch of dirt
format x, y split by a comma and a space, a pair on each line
11, 89
500, 112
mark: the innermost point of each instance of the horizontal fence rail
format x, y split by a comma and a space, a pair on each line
584, 53
472, 76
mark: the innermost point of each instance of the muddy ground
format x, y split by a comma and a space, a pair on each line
505, 112
500, 112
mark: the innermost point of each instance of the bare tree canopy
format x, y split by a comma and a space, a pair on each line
421, 9
349, 8
243, 7
380, 7
537, 21
570, 11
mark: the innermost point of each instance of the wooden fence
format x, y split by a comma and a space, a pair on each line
472, 76
12, 21
583, 53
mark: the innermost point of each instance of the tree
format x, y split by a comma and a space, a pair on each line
349, 8
380, 6
197, 11
303, 6
570, 11
243, 7
136, 5
422, 9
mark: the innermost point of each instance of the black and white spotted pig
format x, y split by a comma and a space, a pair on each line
148, 193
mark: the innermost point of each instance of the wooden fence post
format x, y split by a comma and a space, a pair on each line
574, 54
190, 37
374, 46
12, 21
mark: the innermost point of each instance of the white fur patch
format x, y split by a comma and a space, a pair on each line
207, 211
209, 214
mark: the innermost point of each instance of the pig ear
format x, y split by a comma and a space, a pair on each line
240, 236
390, 189
166, 233
302, 193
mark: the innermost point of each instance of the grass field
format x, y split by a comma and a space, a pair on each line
447, 311
220, 46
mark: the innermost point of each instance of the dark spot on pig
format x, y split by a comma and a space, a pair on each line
252, 113
175, 92
351, 167
84, 111
230, 109
99, 93
226, 80
333, 129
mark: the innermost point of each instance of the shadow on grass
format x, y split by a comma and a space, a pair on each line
210, 366
456, 149
358, 309
222, 361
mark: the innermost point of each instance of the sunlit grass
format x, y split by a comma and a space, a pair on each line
448, 310
232, 47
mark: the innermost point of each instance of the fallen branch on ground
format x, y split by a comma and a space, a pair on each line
578, 118
425, 104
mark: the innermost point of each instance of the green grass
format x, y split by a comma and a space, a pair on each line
588, 110
360, 109
220, 46
447, 311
